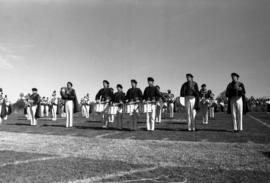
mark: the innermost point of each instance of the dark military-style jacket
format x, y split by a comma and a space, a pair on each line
134, 94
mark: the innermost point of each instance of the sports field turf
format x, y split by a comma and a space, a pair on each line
87, 153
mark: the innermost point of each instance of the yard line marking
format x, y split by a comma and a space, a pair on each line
29, 161
260, 121
107, 134
118, 174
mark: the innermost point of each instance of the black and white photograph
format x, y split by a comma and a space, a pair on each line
134, 91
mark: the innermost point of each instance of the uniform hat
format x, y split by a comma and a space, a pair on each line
134, 81
119, 86
189, 75
169, 90
1, 89
34, 89
203, 85
69, 83
105, 81
150, 79
235, 74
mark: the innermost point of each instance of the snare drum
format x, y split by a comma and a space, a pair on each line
147, 108
99, 107
113, 110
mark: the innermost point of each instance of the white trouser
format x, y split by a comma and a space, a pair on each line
33, 110
28, 113
191, 112
171, 109
41, 110
0, 113
87, 111
7, 110
83, 111
150, 118
46, 111
204, 109
159, 113
54, 112
237, 112
63, 114
212, 112
69, 113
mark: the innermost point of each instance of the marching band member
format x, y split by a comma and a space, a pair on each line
42, 106
62, 108
83, 107
54, 106
212, 105
204, 102
47, 105
171, 103
27, 106
190, 91
134, 97
2, 106
105, 95
151, 95
119, 99
159, 106
237, 105
87, 105
71, 103
33, 103
8, 107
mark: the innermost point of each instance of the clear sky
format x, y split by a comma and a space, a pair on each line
46, 43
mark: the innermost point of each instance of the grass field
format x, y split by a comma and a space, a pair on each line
87, 153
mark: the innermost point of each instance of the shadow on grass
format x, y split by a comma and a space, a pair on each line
266, 154
214, 130
18, 124
91, 128
53, 125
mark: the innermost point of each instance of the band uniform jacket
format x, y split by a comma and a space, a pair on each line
104, 94
70, 94
134, 94
151, 93
191, 89
233, 91
119, 97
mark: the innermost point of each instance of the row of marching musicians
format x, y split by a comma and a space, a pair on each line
109, 104
113, 105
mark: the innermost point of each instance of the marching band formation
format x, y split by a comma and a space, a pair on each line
151, 102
